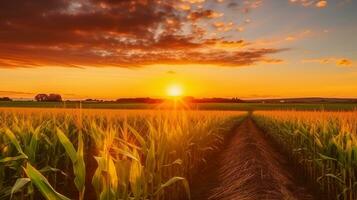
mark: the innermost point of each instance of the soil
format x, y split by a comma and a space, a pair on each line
250, 167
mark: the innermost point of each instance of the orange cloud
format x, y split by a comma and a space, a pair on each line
311, 3
171, 72
209, 14
321, 4
129, 33
193, 1
245, 6
251, 5
223, 26
15, 93
343, 62
218, 44
292, 37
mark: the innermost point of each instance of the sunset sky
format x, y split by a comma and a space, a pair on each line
211, 48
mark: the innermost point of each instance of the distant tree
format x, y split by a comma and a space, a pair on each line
93, 100
50, 97
139, 100
54, 97
41, 97
5, 99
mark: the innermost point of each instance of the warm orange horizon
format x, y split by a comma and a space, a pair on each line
210, 48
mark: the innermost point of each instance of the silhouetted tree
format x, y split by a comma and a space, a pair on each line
54, 97
50, 97
41, 97
5, 99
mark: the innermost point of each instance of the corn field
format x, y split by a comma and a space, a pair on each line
324, 144
106, 154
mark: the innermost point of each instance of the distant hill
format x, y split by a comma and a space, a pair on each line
304, 100
185, 99
139, 100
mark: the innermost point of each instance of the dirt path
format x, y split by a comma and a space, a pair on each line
249, 168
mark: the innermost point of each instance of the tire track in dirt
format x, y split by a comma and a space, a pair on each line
249, 168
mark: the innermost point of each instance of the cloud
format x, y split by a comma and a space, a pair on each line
223, 26
245, 6
260, 96
321, 4
311, 3
253, 4
342, 62
171, 72
130, 33
14, 93
210, 14
290, 38
194, 1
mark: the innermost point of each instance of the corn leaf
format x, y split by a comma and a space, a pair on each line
77, 159
9, 159
42, 184
20, 183
79, 167
174, 180
14, 141
68, 146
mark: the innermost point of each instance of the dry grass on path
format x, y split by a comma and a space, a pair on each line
249, 168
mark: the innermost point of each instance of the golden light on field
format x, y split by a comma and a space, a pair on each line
174, 90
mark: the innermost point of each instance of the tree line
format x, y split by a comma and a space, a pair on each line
48, 98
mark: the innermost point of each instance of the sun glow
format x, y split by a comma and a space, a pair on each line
174, 91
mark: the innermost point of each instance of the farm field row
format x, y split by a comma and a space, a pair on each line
323, 145
157, 154
107, 154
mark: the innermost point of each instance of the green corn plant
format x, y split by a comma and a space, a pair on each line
34, 176
323, 143
136, 178
105, 178
77, 159
138, 154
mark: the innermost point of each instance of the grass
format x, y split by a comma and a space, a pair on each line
324, 144
201, 106
110, 154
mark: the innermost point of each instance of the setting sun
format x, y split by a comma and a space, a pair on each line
174, 91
